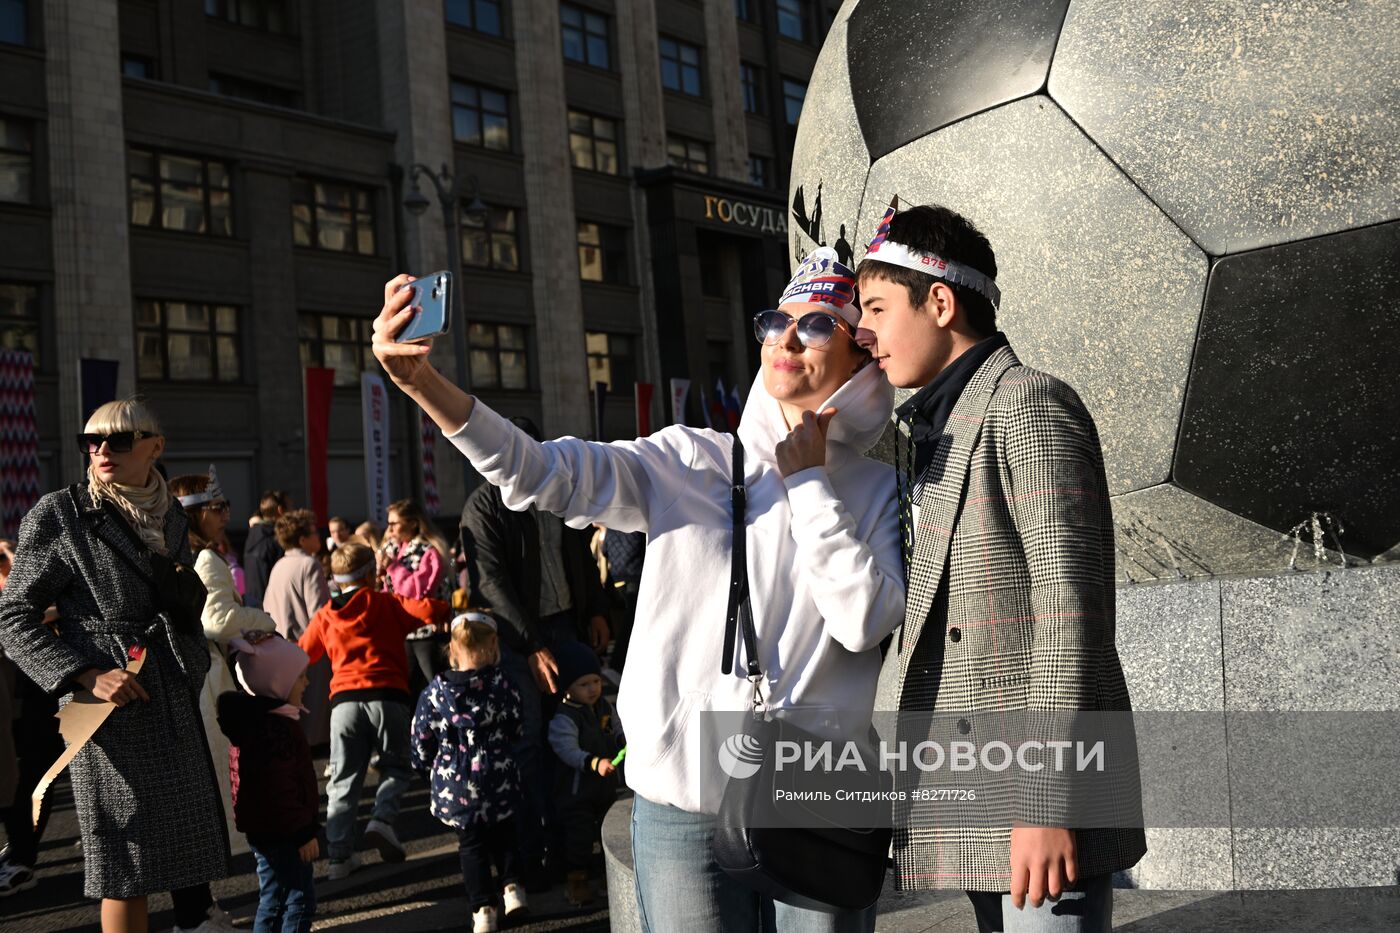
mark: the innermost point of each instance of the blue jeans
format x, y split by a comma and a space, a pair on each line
680, 889
286, 891
358, 730
1086, 910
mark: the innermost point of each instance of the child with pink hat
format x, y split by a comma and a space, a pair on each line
274, 783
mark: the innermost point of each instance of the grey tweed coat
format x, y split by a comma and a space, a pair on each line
1015, 504
147, 801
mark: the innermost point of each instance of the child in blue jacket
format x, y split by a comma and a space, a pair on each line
466, 722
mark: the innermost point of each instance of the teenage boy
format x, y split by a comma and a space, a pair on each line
1010, 540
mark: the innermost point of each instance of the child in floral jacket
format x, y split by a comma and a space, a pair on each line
466, 722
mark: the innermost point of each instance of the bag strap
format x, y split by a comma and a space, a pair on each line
740, 616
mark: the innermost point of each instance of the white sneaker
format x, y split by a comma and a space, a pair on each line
341, 868
484, 920
15, 878
382, 837
328, 771
514, 899
220, 918
208, 926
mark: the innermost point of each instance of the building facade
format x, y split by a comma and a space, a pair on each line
210, 193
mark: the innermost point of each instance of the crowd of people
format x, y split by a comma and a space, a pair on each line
987, 556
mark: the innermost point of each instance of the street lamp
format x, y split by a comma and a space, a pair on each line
450, 193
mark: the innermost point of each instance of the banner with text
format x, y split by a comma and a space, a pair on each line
374, 409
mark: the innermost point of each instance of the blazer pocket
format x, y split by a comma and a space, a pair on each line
1000, 681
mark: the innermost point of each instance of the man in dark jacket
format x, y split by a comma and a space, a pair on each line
261, 550
541, 583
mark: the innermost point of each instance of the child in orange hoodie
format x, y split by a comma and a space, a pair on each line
362, 631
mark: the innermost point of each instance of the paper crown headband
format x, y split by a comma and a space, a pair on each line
825, 282
897, 254
212, 493
480, 617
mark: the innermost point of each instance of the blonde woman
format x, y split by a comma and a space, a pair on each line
224, 618
112, 554
413, 561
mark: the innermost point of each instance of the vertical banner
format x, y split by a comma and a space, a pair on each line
320, 385
19, 440
719, 420
600, 401
374, 412
733, 409
97, 385
644, 390
680, 389
705, 407
427, 434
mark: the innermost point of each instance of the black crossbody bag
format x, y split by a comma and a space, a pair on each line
827, 868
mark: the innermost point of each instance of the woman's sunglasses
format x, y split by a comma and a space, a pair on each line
119, 442
813, 329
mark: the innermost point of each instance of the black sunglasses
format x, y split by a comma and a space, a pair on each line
814, 329
119, 442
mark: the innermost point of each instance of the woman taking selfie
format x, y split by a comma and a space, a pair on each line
823, 563
111, 553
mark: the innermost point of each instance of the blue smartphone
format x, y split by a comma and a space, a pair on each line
434, 301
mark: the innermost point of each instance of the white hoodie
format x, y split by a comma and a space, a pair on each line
823, 560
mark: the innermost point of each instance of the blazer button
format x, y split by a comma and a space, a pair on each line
955, 634
964, 727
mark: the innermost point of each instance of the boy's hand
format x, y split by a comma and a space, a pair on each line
805, 445
1043, 863
310, 852
605, 767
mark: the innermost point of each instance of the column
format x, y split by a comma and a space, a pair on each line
722, 58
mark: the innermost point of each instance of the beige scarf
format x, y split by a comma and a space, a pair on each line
143, 507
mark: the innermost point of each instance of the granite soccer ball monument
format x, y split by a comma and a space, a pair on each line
1195, 207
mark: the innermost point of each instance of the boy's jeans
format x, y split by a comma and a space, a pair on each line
680, 889
286, 891
358, 730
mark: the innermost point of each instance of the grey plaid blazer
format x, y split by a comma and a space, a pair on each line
1015, 501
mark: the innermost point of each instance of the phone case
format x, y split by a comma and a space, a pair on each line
434, 298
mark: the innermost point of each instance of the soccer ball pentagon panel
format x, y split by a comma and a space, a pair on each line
1195, 207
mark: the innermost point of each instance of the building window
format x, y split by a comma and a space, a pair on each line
751, 83
480, 116
255, 91
792, 19
14, 22
330, 216
602, 253
186, 342
182, 193
338, 342
492, 241
267, 15
585, 35
498, 357
794, 93
19, 318
680, 66
16, 161
138, 66
593, 142
746, 10
611, 361
760, 171
689, 154
481, 15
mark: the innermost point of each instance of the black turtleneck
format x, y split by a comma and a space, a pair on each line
927, 412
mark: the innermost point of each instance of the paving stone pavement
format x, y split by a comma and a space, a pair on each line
424, 894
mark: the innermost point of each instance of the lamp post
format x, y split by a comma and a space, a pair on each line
450, 194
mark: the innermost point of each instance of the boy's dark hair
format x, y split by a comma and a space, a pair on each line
931, 228
271, 502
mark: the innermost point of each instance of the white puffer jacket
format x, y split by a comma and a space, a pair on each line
823, 563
